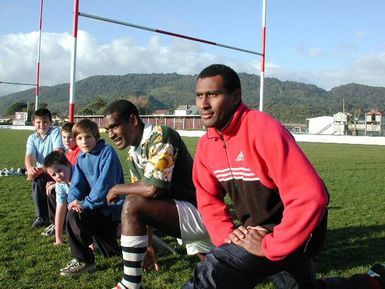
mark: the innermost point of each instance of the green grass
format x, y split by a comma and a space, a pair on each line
355, 239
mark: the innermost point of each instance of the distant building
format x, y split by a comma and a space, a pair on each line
6, 118
160, 112
341, 122
320, 125
188, 122
344, 124
297, 128
183, 110
375, 123
20, 118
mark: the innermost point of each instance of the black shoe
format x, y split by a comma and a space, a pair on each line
39, 222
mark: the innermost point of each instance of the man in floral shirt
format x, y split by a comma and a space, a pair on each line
159, 192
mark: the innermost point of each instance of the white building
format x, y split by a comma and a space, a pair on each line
184, 110
320, 125
374, 123
20, 118
341, 121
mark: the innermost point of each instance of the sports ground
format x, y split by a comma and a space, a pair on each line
354, 175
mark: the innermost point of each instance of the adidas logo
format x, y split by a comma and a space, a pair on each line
240, 157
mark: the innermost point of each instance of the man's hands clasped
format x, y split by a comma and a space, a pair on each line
249, 238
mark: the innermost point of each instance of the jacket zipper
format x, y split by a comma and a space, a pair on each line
227, 160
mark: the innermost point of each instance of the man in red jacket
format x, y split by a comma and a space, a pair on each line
278, 197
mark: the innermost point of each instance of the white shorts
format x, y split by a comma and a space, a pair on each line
193, 233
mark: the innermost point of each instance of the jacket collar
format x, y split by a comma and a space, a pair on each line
233, 126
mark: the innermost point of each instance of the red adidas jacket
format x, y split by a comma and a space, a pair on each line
268, 178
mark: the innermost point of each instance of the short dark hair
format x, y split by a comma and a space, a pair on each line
123, 109
230, 78
42, 112
67, 127
56, 157
86, 125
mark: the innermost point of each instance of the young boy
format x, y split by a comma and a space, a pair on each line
90, 216
45, 140
59, 168
72, 152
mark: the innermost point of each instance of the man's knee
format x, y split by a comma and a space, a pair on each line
133, 206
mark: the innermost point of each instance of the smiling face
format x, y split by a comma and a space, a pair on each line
122, 133
59, 173
215, 103
42, 125
86, 141
68, 140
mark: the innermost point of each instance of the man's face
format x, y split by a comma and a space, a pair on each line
215, 103
68, 139
86, 141
42, 125
59, 173
123, 134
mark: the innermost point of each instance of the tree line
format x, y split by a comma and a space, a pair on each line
289, 101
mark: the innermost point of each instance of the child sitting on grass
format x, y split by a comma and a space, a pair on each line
59, 168
45, 140
89, 215
72, 152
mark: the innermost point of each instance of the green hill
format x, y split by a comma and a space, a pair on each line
287, 100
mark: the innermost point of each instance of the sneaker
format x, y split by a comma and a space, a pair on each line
75, 267
120, 285
39, 222
378, 271
49, 231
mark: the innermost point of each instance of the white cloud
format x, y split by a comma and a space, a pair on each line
18, 54
309, 52
360, 34
368, 70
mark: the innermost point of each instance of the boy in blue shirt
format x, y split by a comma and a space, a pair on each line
89, 215
59, 168
45, 140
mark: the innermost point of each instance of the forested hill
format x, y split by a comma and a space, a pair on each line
287, 100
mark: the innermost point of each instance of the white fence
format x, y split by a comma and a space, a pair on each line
339, 139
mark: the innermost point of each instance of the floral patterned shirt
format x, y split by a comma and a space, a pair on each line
162, 159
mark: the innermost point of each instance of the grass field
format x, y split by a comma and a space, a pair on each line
354, 175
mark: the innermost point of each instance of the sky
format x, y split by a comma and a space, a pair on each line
322, 42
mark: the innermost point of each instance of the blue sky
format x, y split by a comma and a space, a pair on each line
326, 43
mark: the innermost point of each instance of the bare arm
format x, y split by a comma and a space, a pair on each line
30, 162
60, 214
139, 188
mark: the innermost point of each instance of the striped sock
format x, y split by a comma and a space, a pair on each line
133, 249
